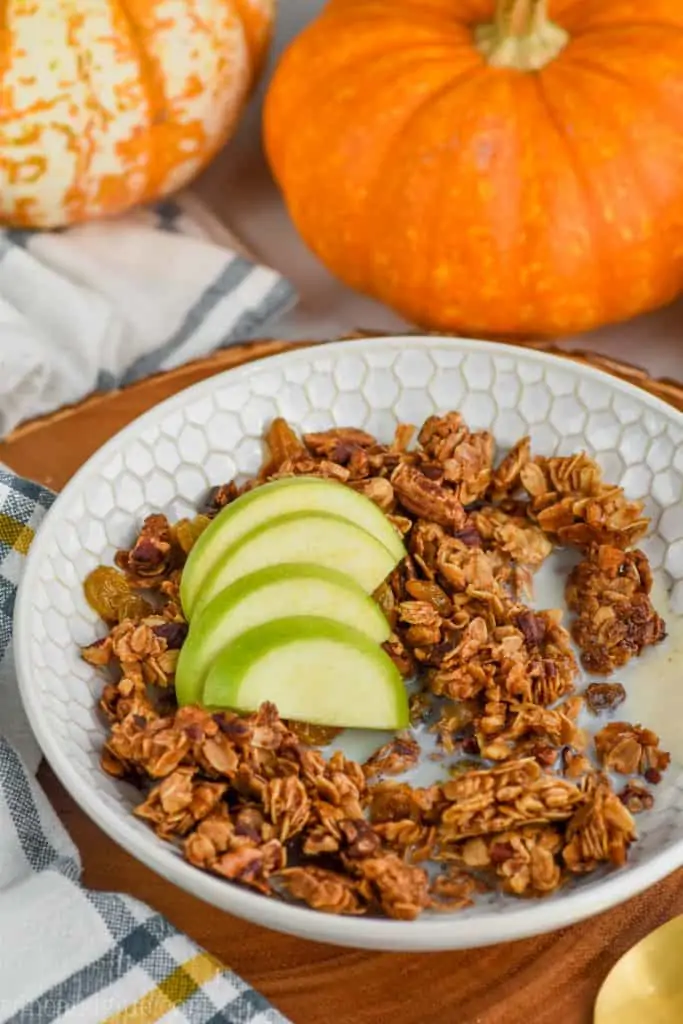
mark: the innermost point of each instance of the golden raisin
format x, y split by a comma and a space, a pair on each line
135, 608
313, 735
187, 531
105, 591
432, 593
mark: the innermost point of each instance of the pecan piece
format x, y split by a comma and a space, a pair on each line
604, 696
427, 499
636, 797
394, 758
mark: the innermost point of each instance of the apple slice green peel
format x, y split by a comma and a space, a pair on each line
280, 497
314, 670
312, 537
262, 596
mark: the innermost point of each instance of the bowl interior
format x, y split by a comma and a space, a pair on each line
211, 433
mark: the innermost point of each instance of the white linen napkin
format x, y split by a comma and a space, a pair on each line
97, 307
100, 305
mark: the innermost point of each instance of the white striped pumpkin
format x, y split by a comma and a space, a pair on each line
108, 103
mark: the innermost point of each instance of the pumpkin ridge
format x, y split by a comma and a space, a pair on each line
605, 28
389, 155
633, 163
601, 261
75, 197
328, 77
155, 94
595, 67
608, 71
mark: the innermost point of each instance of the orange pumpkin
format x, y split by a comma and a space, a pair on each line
489, 168
108, 103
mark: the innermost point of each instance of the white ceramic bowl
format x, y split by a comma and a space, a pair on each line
167, 460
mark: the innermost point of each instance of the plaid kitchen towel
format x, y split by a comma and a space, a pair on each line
103, 304
68, 955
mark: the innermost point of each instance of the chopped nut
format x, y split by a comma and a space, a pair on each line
398, 756
283, 445
506, 478
361, 840
636, 797
575, 764
427, 499
98, 654
219, 497
379, 490
452, 890
420, 705
153, 555
604, 696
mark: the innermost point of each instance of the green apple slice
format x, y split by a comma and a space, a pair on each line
314, 670
312, 537
280, 497
264, 595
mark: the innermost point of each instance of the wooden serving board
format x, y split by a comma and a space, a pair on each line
552, 979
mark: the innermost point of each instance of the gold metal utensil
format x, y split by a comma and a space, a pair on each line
646, 985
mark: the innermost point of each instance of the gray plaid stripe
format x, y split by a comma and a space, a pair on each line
248, 325
18, 506
5, 631
248, 1005
80, 986
230, 277
34, 492
199, 1007
23, 496
114, 912
130, 952
38, 850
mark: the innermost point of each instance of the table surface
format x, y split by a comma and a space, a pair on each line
553, 977
239, 189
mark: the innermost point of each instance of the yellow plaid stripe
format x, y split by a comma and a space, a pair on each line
15, 534
173, 991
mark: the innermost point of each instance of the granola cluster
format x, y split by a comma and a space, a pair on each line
525, 800
610, 593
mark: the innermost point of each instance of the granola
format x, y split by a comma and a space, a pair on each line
570, 500
601, 830
521, 804
630, 750
610, 592
526, 861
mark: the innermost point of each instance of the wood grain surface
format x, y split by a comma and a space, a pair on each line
552, 979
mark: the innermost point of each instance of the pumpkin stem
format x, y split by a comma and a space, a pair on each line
522, 36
